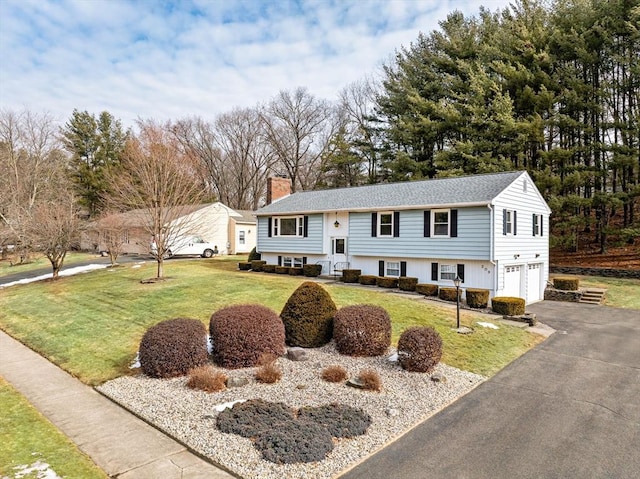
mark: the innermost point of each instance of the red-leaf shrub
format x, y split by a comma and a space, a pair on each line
362, 330
419, 349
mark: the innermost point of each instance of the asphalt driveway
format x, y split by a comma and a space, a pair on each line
570, 408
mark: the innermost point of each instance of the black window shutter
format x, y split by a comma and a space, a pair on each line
374, 224
304, 260
396, 224
279, 260
269, 226
403, 268
305, 226
541, 222
461, 272
427, 223
534, 222
453, 219
515, 223
504, 222
434, 271
380, 268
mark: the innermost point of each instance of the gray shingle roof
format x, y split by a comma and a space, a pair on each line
464, 190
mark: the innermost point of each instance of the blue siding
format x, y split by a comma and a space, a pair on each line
473, 241
311, 244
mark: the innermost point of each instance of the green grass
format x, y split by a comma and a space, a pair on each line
39, 261
26, 437
621, 293
91, 324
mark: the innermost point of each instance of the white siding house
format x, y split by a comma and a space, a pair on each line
491, 230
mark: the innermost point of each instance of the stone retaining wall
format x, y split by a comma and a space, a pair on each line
607, 272
551, 294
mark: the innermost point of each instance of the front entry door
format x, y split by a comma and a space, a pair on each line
338, 253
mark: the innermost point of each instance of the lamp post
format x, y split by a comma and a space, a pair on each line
457, 282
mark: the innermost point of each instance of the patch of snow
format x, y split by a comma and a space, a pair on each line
209, 345
227, 405
487, 325
136, 266
136, 362
393, 358
66, 272
42, 469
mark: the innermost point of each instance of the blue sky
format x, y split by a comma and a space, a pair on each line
174, 59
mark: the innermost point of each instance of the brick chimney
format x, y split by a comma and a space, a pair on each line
277, 187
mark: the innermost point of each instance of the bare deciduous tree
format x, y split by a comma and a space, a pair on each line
163, 183
110, 230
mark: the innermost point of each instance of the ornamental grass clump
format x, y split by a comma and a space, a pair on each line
241, 334
206, 378
308, 316
334, 374
419, 349
172, 348
370, 380
508, 305
269, 372
362, 330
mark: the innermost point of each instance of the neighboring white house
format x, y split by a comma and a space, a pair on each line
234, 232
491, 230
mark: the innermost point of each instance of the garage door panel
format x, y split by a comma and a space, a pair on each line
534, 272
512, 280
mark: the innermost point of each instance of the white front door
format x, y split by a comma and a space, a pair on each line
533, 282
512, 281
338, 253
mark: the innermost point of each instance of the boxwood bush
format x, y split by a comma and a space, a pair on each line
296, 271
308, 316
362, 330
566, 283
312, 270
173, 347
419, 349
244, 266
508, 306
448, 294
253, 255
406, 283
368, 280
427, 289
269, 268
241, 334
351, 275
282, 269
477, 298
257, 264
386, 282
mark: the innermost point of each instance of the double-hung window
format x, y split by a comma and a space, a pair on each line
448, 271
292, 261
241, 238
385, 224
537, 225
509, 222
288, 226
440, 222
392, 268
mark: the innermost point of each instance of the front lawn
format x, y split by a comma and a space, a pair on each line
621, 293
28, 441
91, 324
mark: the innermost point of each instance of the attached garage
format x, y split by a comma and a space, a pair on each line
512, 280
534, 286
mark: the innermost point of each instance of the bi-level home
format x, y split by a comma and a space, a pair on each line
490, 230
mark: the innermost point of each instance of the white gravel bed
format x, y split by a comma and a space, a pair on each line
190, 416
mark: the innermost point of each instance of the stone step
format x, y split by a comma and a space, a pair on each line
593, 295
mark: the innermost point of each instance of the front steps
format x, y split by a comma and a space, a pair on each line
592, 295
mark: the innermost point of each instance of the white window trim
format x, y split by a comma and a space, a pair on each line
299, 226
449, 269
292, 261
389, 271
510, 222
380, 214
433, 223
241, 237
537, 225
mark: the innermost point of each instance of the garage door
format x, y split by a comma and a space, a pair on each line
512, 281
534, 272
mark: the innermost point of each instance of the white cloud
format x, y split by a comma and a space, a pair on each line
200, 57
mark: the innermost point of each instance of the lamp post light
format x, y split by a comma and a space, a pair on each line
457, 282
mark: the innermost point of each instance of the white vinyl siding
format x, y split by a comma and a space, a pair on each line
385, 224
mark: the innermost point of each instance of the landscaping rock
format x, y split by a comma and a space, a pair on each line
438, 378
236, 382
392, 412
297, 354
355, 383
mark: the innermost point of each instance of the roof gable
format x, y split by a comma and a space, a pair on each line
456, 191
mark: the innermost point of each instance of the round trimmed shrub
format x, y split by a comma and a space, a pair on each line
312, 270
368, 279
257, 264
351, 275
362, 330
427, 289
508, 305
244, 266
254, 255
282, 269
268, 268
566, 283
386, 282
419, 349
308, 316
448, 294
477, 298
241, 334
172, 348
406, 283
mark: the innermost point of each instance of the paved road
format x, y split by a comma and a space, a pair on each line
570, 408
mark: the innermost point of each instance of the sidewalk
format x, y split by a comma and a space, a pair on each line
124, 446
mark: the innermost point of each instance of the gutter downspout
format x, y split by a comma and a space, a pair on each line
492, 248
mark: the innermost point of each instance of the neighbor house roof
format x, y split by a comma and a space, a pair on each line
457, 191
246, 217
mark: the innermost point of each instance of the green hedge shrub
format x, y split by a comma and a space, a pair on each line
312, 270
241, 334
351, 275
269, 268
477, 298
508, 306
406, 283
386, 282
427, 289
368, 280
566, 283
244, 266
257, 265
173, 347
362, 330
296, 271
308, 316
419, 349
282, 269
448, 294
254, 255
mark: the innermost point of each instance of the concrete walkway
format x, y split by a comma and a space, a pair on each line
122, 445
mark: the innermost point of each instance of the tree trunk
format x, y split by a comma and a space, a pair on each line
160, 267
